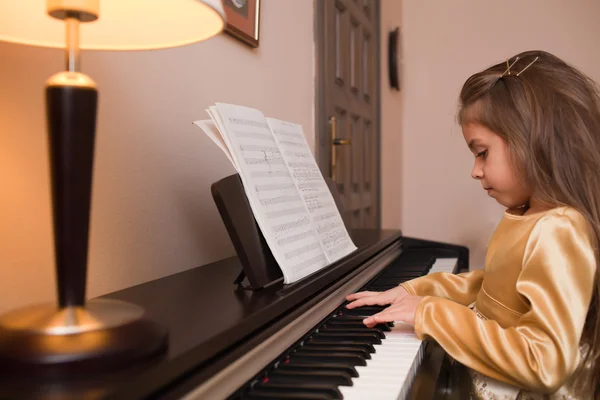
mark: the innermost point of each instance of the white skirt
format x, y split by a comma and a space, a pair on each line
486, 388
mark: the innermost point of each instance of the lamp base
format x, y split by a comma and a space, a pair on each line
103, 335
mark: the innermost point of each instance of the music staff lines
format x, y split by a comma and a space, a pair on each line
324, 216
248, 122
315, 196
288, 134
306, 175
279, 200
293, 144
310, 262
295, 238
302, 164
302, 250
296, 154
291, 225
254, 135
273, 186
262, 149
282, 213
339, 248
332, 237
263, 160
328, 226
310, 186
263, 174
313, 208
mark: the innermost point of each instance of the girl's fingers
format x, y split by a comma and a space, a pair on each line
359, 295
369, 301
382, 317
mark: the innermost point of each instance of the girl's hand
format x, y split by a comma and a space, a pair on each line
403, 310
391, 296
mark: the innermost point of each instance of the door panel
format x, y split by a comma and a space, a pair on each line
348, 104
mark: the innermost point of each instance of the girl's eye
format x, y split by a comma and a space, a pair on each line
482, 154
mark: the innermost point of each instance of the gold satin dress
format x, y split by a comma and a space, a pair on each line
517, 323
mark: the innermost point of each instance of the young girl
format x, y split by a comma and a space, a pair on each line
527, 325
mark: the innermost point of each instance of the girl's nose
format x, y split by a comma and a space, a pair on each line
477, 172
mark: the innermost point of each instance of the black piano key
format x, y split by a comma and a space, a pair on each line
407, 268
362, 311
411, 265
339, 322
359, 337
341, 317
381, 288
354, 329
314, 376
367, 346
394, 279
316, 358
387, 281
336, 349
374, 308
403, 274
328, 391
348, 369
258, 395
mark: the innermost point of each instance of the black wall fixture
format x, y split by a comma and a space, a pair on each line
393, 38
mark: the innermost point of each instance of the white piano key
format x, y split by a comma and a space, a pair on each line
389, 367
444, 265
392, 368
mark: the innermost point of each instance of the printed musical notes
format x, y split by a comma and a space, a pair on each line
313, 188
284, 186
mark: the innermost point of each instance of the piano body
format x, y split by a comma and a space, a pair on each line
295, 341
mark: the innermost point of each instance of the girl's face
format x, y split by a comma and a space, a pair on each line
493, 166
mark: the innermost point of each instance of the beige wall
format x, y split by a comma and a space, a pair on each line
445, 42
152, 210
391, 124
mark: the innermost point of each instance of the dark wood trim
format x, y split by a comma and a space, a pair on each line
320, 114
378, 100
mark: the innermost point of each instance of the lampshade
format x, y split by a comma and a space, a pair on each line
121, 24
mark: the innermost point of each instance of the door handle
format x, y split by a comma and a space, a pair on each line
335, 141
339, 142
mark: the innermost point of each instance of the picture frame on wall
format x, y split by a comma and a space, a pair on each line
243, 20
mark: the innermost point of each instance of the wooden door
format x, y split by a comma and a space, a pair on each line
348, 107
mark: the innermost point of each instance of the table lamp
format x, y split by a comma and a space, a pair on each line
76, 335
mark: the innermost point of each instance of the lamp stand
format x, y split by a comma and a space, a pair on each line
75, 336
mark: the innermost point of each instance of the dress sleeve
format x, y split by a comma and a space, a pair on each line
542, 350
461, 288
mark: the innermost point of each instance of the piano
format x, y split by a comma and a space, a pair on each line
283, 341
234, 341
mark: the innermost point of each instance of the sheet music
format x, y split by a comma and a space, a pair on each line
278, 208
319, 202
211, 130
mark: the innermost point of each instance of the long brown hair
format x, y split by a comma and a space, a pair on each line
549, 116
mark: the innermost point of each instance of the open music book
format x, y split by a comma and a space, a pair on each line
290, 200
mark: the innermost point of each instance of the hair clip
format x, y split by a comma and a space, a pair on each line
508, 67
528, 65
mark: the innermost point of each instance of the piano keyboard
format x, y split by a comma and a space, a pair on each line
336, 357
391, 370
